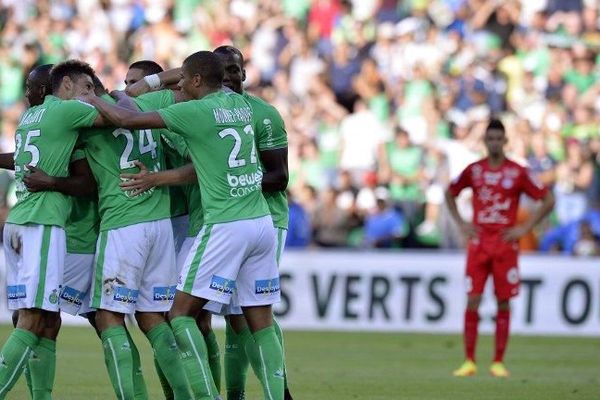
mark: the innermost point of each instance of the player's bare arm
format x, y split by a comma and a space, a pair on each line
275, 162
467, 229
7, 161
166, 78
80, 182
146, 180
518, 231
124, 118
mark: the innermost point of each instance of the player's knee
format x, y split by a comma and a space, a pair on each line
204, 322
31, 320
15, 318
148, 320
473, 303
52, 324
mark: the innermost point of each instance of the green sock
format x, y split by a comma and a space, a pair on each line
194, 356
252, 352
139, 385
42, 367
236, 362
271, 363
13, 358
164, 383
279, 334
167, 354
214, 358
28, 381
119, 361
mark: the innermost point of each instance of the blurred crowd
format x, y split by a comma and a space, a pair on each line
385, 101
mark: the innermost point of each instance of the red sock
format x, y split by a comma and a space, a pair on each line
502, 328
471, 324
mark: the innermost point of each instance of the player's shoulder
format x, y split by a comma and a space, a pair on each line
259, 104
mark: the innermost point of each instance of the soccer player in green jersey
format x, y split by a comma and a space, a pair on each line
271, 141
235, 250
135, 262
34, 234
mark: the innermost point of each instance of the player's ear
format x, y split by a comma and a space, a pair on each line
243, 74
67, 83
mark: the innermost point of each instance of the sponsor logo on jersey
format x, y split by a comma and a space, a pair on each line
492, 178
71, 295
267, 286
222, 285
164, 293
242, 185
507, 183
15, 292
125, 295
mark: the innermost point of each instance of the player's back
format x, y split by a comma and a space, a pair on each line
219, 131
45, 138
111, 152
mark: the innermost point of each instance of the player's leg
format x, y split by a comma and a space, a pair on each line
506, 286
208, 274
38, 251
258, 289
157, 290
280, 236
204, 322
236, 362
114, 294
476, 275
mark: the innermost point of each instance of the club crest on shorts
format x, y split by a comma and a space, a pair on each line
53, 297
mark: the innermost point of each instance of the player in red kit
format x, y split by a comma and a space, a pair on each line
497, 184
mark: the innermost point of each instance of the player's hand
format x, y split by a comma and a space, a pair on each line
138, 88
468, 230
135, 184
515, 233
37, 180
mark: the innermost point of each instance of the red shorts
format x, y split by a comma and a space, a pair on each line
497, 258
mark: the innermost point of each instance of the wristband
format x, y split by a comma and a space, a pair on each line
153, 81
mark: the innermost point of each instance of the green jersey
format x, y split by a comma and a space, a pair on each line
111, 152
219, 132
84, 221
270, 134
45, 138
171, 143
189, 193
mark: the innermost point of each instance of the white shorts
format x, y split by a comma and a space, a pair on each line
75, 292
183, 252
35, 257
180, 226
233, 308
135, 268
236, 256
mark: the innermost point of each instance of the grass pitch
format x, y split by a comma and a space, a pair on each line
366, 366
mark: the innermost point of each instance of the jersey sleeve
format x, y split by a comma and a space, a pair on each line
271, 131
460, 182
79, 114
78, 154
531, 186
174, 142
155, 100
180, 117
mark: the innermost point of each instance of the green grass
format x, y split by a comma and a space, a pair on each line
368, 366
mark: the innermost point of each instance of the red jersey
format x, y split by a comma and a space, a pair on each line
496, 192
